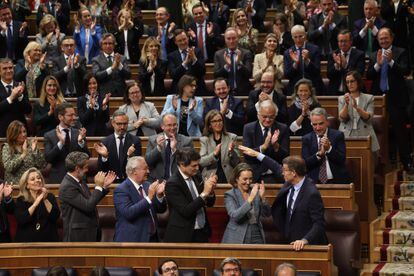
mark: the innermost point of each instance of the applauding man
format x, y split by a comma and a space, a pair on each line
137, 203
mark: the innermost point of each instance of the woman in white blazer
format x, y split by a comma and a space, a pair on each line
356, 110
218, 148
144, 119
269, 61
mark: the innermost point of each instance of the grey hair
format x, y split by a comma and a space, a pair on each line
297, 29
167, 114
230, 261
373, 2
268, 103
118, 113
75, 159
319, 111
133, 163
284, 266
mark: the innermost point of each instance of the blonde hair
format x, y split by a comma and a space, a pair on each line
48, 18
121, 12
234, 18
24, 191
59, 96
30, 47
144, 59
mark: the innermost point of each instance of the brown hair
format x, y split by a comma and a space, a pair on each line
129, 86
183, 82
43, 95
235, 174
357, 76
13, 132
207, 122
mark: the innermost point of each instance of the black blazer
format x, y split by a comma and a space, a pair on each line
183, 208
213, 43
362, 43
14, 111
93, 120
197, 70
145, 78
19, 42
235, 124
253, 138
113, 163
278, 98
5, 208
336, 157
74, 76
42, 120
307, 220
356, 62
56, 156
133, 36
397, 95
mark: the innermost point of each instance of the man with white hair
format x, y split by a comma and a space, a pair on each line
303, 60
269, 137
137, 203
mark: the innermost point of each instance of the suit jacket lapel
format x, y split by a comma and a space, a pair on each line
225, 142
184, 186
133, 192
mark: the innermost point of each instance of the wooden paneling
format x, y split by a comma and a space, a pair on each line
19, 259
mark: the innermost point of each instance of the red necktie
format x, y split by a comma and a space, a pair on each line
200, 41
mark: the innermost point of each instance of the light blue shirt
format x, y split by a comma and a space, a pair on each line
296, 189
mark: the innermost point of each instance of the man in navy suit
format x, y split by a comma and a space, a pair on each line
366, 29
116, 148
298, 210
14, 103
342, 61
267, 91
137, 203
269, 137
303, 60
186, 61
13, 35
204, 35
324, 151
228, 105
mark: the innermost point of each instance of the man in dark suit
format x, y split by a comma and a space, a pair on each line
78, 204
256, 12
303, 60
298, 209
324, 151
137, 203
161, 148
388, 70
325, 26
187, 196
267, 92
6, 207
228, 105
116, 148
13, 35
61, 141
269, 137
59, 9
110, 69
163, 31
342, 61
205, 35
69, 68
186, 61
366, 29
234, 64
14, 103
219, 13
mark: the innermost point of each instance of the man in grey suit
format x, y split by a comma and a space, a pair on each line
69, 68
78, 204
61, 141
110, 69
161, 148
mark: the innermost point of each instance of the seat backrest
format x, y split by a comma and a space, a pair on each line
342, 230
107, 222
43, 271
121, 271
4, 272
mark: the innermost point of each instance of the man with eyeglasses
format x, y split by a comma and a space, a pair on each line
325, 26
168, 267
343, 60
267, 91
303, 60
115, 149
231, 267
69, 68
111, 69
268, 137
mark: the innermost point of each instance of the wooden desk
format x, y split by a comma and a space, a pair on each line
20, 259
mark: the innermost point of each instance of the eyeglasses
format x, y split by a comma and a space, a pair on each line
216, 121
121, 124
170, 269
350, 81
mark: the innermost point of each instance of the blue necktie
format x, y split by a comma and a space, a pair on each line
10, 52
163, 44
384, 76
